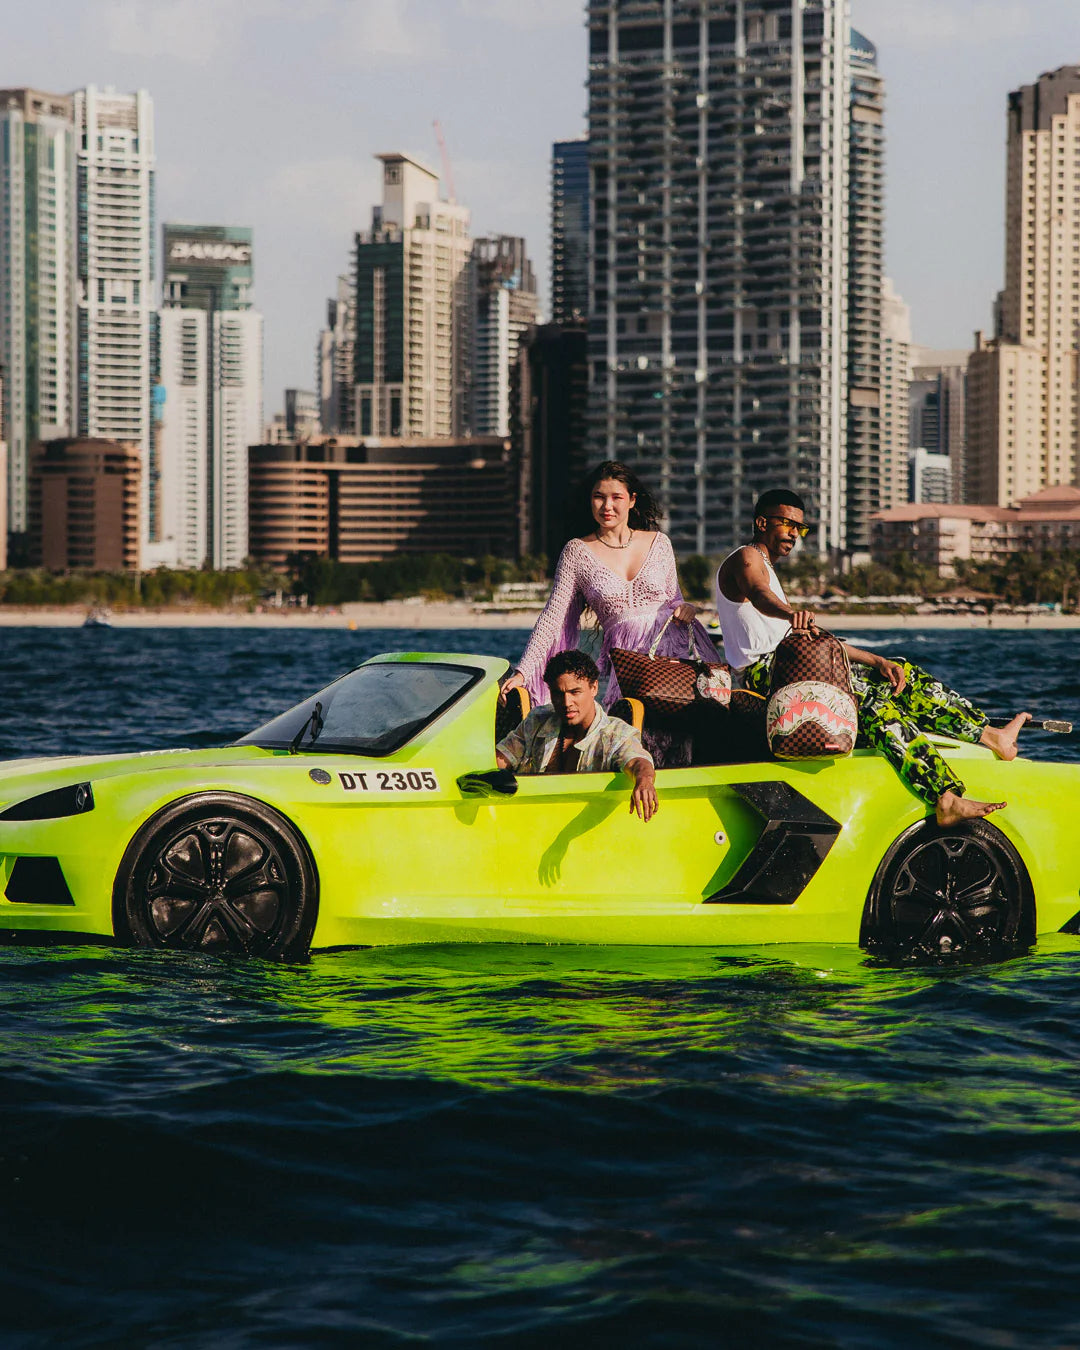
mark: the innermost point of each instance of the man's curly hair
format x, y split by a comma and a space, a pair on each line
576, 663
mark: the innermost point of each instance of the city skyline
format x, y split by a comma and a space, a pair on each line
946, 66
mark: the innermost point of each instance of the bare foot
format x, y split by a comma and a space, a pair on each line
1002, 740
953, 810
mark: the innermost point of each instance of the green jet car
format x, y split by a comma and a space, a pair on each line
372, 814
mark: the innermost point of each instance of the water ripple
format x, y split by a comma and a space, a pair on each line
490, 1146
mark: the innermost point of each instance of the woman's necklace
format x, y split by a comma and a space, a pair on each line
601, 540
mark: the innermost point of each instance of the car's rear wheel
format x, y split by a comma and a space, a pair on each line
218, 873
956, 891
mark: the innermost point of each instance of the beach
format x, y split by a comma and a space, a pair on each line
456, 614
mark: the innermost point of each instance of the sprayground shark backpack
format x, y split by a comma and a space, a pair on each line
811, 710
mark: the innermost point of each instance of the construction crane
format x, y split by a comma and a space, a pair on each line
448, 173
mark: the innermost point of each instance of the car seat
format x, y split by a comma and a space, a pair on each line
508, 715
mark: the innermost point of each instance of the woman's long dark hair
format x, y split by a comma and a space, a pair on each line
644, 514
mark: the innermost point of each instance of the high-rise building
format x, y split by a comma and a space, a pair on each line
569, 231
210, 375
3, 485
37, 276
335, 361
301, 414
504, 292
1006, 422
868, 456
929, 476
413, 310
549, 402
114, 146
723, 225
895, 383
1013, 453
938, 408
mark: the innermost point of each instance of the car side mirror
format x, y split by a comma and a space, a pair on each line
494, 783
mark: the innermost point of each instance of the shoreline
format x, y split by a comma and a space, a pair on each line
460, 614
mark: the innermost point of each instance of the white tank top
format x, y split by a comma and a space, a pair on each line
748, 634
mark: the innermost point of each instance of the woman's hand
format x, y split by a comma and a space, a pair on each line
684, 613
514, 681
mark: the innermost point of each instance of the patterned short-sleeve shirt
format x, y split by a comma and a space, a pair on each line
607, 747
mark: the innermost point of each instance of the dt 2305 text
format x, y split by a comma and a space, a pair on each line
390, 780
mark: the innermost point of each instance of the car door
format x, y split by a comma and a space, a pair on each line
569, 843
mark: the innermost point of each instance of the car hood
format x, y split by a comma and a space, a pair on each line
20, 778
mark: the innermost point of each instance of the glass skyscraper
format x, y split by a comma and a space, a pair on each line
720, 341
569, 231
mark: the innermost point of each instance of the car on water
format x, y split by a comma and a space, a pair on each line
371, 813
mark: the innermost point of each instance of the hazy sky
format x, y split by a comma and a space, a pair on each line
268, 113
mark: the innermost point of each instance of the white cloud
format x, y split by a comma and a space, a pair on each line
186, 30
933, 23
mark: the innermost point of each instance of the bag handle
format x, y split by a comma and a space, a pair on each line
691, 641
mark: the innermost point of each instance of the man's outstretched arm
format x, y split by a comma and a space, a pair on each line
643, 798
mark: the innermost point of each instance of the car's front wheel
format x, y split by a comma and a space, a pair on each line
955, 891
218, 873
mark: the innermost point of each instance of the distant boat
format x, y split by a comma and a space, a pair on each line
98, 617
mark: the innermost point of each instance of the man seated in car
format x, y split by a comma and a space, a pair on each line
575, 734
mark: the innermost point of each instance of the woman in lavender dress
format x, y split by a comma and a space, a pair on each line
624, 571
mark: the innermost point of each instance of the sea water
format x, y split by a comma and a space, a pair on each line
521, 1147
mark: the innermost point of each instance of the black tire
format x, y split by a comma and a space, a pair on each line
218, 873
961, 891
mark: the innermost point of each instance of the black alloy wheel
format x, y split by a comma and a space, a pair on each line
221, 874
960, 891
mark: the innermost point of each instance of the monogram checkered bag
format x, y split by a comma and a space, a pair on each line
671, 685
811, 712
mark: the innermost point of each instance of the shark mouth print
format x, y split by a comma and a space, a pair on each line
828, 714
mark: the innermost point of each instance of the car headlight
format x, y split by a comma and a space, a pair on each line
65, 801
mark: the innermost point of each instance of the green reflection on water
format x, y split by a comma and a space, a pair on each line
976, 1044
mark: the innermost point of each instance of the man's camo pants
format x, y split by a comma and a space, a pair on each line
899, 724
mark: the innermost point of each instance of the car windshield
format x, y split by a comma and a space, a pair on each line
374, 710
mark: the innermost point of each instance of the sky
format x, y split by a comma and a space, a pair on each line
268, 113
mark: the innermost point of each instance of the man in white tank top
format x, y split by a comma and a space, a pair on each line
898, 703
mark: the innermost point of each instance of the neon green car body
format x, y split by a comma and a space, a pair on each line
408, 857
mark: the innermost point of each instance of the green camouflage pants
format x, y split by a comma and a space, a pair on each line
899, 724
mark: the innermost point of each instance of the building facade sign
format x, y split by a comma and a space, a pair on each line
209, 252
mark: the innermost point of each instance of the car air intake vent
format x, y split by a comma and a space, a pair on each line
65, 801
38, 881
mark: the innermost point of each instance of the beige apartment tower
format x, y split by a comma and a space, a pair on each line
895, 385
1023, 384
413, 315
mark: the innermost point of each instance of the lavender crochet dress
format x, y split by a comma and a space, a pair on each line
630, 614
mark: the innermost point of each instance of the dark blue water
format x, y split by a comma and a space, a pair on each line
521, 1147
